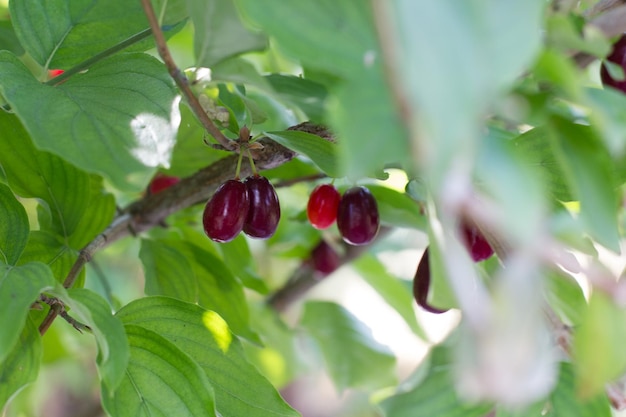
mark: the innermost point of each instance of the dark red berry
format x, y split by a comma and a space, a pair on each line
322, 207
325, 259
160, 182
357, 216
225, 213
618, 57
264, 213
421, 285
475, 243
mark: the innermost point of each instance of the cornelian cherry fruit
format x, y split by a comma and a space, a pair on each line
421, 285
324, 258
475, 243
618, 57
322, 206
225, 213
358, 219
264, 213
160, 182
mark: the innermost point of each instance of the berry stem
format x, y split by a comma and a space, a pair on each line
238, 170
252, 166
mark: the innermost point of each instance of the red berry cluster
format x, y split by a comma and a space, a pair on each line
251, 206
356, 212
479, 250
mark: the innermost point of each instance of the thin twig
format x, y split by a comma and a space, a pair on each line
58, 307
182, 81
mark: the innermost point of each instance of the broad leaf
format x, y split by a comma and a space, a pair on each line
219, 33
98, 215
160, 380
117, 119
603, 329
237, 256
113, 352
589, 172
50, 249
61, 33
353, 358
397, 209
13, 227
309, 95
167, 271
21, 365
566, 297
19, 288
8, 40
434, 393
396, 294
240, 390
566, 401
321, 151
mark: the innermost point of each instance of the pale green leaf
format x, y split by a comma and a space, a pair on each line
566, 401
240, 390
396, 294
21, 366
397, 209
14, 227
117, 119
321, 151
19, 288
603, 329
589, 172
566, 297
219, 32
353, 358
167, 271
160, 381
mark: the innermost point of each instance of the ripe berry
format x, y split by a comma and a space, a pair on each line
325, 259
225, 213
475, 243
322, 207
617, 56
421, 285
160, 182
55, 72
357, 216
264, 214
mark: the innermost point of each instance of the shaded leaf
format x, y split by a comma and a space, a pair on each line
50, 249
8, 40
397, 209
14, 227
19, 288
309, 95
160, 380
237, 256
240, 390
118, 118
353, 358
21, 366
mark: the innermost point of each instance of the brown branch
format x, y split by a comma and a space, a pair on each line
152, 210
181, 80
58, 307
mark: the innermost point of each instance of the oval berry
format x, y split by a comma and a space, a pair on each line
264, 213
476, 243
322, 206
160, 182
618, 57
325, 259
357, 216
421, 285
226, 212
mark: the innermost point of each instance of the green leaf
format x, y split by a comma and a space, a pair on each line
240, 390
353, 358
603, 329
98, 215
309, 95
219, 33
608, 118
8, 40
113, 351
589, 172
117, 119
19, 288
167, 271
396, 294
237, 256
160, 380
33, 173
566, 297
60, 33
396, 208
21, 366
565, 400
321, 151
50, 249
14, 227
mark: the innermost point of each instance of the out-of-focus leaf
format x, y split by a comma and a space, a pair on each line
13, 227
161, 380
117, 119
8, 40
603, 329
397, 209
21, 365
309, 95
566, 296
219, 33
353, 358
240, 390
237, 256
19, 288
